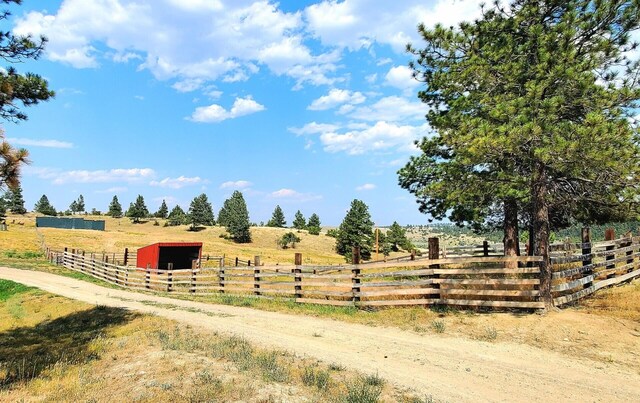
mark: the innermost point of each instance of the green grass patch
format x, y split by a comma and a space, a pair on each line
9, 289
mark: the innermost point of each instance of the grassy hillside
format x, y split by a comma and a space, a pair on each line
121, 233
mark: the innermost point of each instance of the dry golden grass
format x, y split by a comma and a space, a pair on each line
54, 349
121, 233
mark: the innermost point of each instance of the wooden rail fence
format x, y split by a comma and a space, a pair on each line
578, 270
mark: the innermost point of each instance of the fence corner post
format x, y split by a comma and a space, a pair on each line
434, 254
587, 264
147, 276
126, 256
169, 277
610, 235
194, 272
297, 272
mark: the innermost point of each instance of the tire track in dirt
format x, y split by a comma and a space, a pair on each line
451, 369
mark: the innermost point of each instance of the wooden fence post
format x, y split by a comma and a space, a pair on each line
355, 255
434, 254
413, 255
629, 252
221, 278
256, 275
485, 248
298, 276
194, 272
126, 256
610, 235
169, 277
587, 264
355, 284
236, 261
147, 276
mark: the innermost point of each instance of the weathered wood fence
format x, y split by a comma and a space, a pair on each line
581, 269
578, 270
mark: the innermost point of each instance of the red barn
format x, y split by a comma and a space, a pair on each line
159, 255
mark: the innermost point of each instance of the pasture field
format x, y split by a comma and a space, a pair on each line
56, 349
604, 328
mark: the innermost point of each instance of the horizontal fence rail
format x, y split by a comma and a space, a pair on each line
480, 279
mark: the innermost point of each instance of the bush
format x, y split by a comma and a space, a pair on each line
288, 238
333, 233
314, 230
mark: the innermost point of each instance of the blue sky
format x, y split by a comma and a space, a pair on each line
305, 104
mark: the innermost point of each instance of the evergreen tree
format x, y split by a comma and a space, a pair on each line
299, 221
73, 206
80, 204
115, 209
356, 229
137, 210
223, 216
314, 224
163, 210
16, 201
15, 89
288, 238
277, 218
532, 105
44, 207
200, 212
396, 236
237, 218
177, 216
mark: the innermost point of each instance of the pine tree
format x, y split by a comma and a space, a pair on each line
396, 236
237, 218
223, 216
137, 210
533, 109
200, 212
277, 218
44, 207
299, 221
16, 201
177, 216
163, 210
314, 224
356, 229
15, 89
115, 209
80, 204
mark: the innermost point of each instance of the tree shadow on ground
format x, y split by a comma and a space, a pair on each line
26, 352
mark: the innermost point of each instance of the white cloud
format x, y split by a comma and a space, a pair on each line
366, 186
188, 85
215, 113
239, 185
313, 128
400, 77
392, 109
383, 136
356, 24
336, 97
139, 97
98, 176
115, 189
39, 143
177, 183
191, 39
293, 195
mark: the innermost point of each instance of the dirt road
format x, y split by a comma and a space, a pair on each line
449, 369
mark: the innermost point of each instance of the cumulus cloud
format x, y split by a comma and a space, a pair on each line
215, 113
19, 141
313, 128
60, 177
236, 185
177, 183
191, 39
366, 186
337, 97
392, 109
293, 195
400, 77
383, 136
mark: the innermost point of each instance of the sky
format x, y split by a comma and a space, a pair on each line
303, 104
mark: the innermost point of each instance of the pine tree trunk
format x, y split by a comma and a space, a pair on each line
510, 240
541, 231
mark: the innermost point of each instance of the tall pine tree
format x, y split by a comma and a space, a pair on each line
163, 210
16, 201
44, 207
299, 221
533, 106
237, 218
200, 212
115, 209
137, 210
356, 229
314, 224
277, 218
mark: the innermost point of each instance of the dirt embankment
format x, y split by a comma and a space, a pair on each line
451, 369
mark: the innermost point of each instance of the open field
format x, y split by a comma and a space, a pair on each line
121, 233
57, 349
